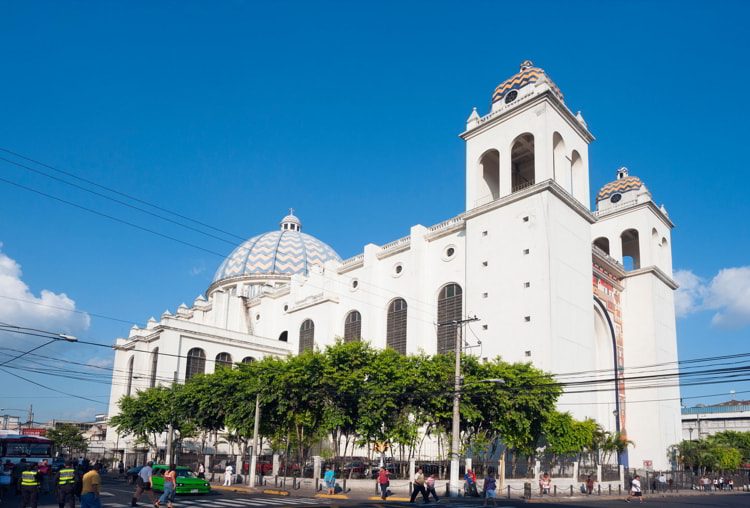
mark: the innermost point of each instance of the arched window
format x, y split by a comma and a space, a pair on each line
284, 336
196, 363
154, 363
396, 326
306, 336
490, 181
577, 178
560, 163
522, 162
631, 250
130, 375
223, 361
603, 243
248, 359
450, 308
353, 326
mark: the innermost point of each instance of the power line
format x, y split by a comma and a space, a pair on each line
119, 193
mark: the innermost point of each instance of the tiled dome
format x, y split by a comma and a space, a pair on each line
623, 184
527, 74
284, 252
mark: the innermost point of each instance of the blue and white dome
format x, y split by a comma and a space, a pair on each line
285, 252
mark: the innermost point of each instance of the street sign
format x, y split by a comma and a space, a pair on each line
648, 464
33, 432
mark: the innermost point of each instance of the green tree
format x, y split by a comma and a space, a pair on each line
68, 438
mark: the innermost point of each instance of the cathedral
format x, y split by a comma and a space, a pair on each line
553, 282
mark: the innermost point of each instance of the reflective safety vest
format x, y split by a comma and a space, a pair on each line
28, 479
67, 477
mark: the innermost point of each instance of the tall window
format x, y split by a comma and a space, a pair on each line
306, 335
603, 243
154, 363
396, 327
196, 363
223, 361
450, 308
522, 162
631, 250
490, 183
248, 359
130, 375
353, 326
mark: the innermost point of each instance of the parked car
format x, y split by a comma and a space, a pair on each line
355, 469
187, 481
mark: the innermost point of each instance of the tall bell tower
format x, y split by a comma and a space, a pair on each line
528, 136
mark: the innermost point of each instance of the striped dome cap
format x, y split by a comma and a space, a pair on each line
526, 75
623, 183
282, 252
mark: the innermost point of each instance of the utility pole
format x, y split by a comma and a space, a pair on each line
31, 415
254, 451
170, 432
456, 428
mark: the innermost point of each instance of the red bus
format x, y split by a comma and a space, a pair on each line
14, 447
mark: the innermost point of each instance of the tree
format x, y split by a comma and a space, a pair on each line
67, 437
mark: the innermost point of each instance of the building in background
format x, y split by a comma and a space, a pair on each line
702, 421
552, 281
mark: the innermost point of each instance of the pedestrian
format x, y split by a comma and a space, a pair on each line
383, 482
15, 475
662, 482
470, 478
170, 486
730, 484
143, 484
228, 475
330, 480
418, 486
721, 483
65, 484
635, 489
29, 484
44, 472
429, 485
716, 483
589, 485
201, 471
545, 484
121, 468
90, 490
490, 490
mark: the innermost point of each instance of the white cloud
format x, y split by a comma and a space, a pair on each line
100, 362
727, 294
49, 311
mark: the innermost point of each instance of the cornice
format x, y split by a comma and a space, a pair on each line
658, 272
627, 209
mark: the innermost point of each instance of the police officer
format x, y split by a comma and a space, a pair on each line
30, 482
65, 484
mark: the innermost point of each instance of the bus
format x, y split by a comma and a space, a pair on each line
14, 447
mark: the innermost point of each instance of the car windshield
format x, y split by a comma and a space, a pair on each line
185, 473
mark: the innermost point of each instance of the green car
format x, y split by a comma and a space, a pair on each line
187, 481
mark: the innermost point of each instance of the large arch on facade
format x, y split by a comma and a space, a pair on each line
396, 325
449, 310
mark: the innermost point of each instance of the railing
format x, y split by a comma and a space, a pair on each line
522, 186
353, 260
458, 219
715, 409
603, 254
396, 243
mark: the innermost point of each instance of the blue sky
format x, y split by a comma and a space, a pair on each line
232, 112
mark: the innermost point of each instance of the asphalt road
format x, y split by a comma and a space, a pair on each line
116, 494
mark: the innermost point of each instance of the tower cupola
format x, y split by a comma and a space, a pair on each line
291, 222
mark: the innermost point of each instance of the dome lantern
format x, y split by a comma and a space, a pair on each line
291, 222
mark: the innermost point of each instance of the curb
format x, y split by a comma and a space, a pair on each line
331, 496
275, 492
389, 498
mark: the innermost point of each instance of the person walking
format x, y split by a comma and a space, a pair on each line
30, 483
470, 478
329, 478
170, 486
228, 475
383, 482
418, 486
490, 490
545, 484
429, 485
635, 489
589, 485
90, 490
662, 482
201, 471
44, 475
143, 484
65, 482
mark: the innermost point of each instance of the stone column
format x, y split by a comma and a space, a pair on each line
599, 473
467, 463
316, 467
501, 473
412, 469
575, 471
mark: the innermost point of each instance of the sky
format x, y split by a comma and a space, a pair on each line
232, 112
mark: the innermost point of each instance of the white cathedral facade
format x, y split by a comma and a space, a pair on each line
552, 282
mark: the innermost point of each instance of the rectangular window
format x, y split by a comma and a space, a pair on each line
527, 318
526, 251
526, 219
527, 284
485, 295
484, 263
484, 327
484, 233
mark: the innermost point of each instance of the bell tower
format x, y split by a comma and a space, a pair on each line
528, 136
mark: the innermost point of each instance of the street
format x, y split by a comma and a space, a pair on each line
117, 494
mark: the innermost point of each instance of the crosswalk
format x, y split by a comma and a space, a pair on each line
211, 502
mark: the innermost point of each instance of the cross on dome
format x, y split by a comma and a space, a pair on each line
291, 222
